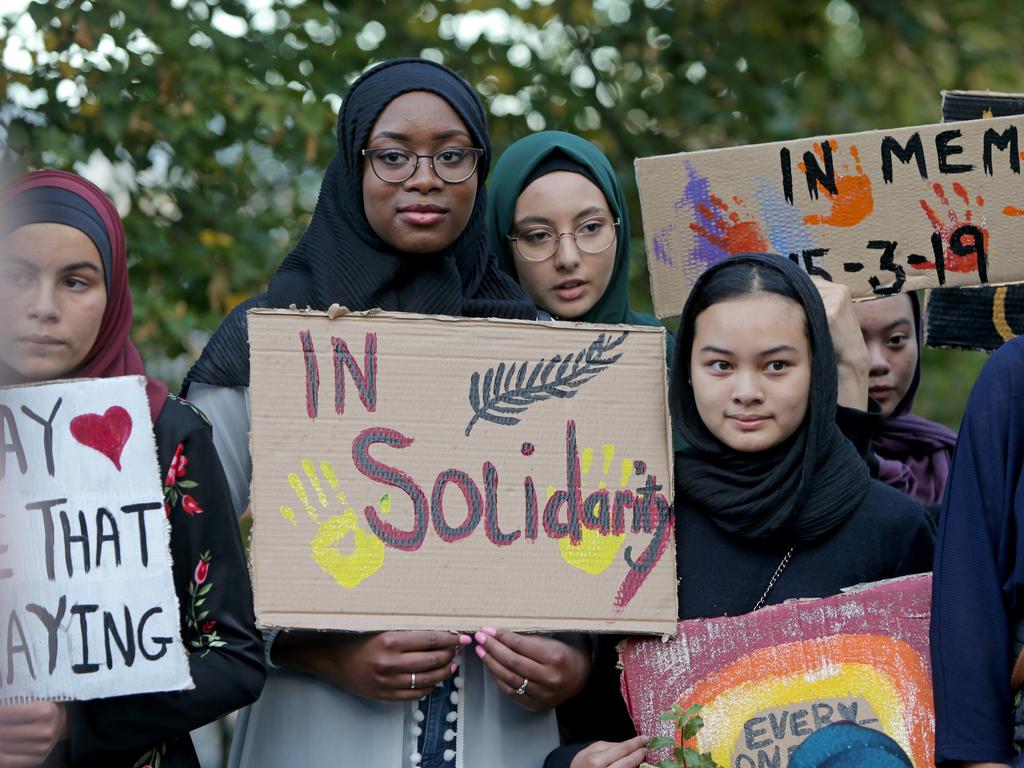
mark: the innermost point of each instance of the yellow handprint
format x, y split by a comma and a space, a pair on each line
367, 556
596, 551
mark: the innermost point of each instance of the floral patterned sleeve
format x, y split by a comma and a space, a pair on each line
215, 603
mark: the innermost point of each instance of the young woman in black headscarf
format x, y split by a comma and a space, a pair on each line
399, 225
772, 501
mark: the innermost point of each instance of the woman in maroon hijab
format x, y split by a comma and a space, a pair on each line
66, 313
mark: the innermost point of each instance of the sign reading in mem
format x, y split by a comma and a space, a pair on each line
976, 318
769, 679
88, 602
413, 472
881, 211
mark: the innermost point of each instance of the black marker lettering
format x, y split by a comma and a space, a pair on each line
51, 622
141, 510
85, 666
125, 645
913, 150
1007, 140
47, 431
10, 442
48, 543
945, 149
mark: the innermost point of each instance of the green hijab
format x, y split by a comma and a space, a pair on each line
507, 180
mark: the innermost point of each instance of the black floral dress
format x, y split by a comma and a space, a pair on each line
217, 624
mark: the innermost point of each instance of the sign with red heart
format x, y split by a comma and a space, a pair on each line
107, 433
90, 609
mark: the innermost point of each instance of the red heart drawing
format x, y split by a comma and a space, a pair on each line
107, 433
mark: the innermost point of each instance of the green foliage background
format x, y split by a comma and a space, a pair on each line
217, 115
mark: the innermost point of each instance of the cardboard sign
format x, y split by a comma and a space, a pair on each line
89, 608
881, 211
415, 472
980, 318
769, 679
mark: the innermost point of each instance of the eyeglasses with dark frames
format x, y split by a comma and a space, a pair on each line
452, 165
594, 235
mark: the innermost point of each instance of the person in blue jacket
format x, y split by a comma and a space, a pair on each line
978, 588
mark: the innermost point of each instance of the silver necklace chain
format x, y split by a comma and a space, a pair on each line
774, 578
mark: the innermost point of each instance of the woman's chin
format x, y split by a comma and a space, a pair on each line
751, 442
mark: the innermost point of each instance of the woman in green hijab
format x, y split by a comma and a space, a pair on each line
558, 222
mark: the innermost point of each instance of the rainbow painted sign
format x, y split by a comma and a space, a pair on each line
881, 211
769, 679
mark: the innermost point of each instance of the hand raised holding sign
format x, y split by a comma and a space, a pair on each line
553, 671
852, 358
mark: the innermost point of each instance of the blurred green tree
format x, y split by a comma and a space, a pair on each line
211, 121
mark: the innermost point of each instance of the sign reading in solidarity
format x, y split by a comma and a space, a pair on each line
89, 608
881, 211
416, 472
771, 678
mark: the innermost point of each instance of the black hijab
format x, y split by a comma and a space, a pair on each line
797, 491
340, 259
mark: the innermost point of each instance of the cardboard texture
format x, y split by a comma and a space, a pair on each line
414, 472
881, 211
769, 679
986, 317
89, 608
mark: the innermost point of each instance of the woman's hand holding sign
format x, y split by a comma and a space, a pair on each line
384, 666
607, 754
538, 672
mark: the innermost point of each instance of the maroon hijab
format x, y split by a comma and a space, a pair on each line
913, 453
113, 353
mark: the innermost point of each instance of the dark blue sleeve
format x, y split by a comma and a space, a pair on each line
978, 576
562, 757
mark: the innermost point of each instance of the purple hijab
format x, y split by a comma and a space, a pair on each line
913, 453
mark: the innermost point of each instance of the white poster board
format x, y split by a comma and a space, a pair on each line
87, 601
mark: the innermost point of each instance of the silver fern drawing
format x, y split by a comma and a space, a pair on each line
501, 394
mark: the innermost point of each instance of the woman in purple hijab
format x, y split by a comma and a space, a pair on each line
913, 453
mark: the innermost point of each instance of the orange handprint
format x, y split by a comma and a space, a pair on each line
959, 256
734, 231
1012, 210
853, 201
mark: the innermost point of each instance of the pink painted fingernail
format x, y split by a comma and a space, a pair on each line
465, 639
489, 631
454, 668
480, 637
480, 651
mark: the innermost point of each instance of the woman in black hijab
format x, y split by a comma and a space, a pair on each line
399, 225
772, 501
343, 258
